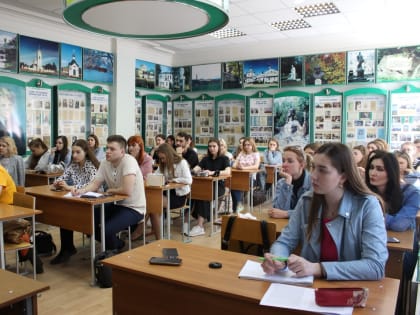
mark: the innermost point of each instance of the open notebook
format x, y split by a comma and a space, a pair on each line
252, 270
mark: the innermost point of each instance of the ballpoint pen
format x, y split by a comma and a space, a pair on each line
283, 259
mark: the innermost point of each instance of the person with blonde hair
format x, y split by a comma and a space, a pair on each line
224, 150
247, 159
295, 181
11, 161
377, 144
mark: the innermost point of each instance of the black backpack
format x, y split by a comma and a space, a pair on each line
103, 274
44, 244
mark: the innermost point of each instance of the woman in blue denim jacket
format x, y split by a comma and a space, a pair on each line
340, 224
295, 181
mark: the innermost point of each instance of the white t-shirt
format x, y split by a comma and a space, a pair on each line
113, 177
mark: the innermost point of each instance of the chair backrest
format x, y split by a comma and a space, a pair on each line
247, 231
23, 200
20, 189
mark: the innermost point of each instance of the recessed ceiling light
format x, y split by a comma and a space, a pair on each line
227, 33
317, 9
290, 25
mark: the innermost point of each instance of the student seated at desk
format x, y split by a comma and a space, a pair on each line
247, 159
271, 156
122, 175
93, 142
7, 187
295, 181
214, 162
175, 169
402, 201
60, 155
339, 224
11, 161
79, 173
38, 160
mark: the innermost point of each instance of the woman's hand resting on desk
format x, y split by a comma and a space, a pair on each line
271, 266
61, 184
278, 213
303, 267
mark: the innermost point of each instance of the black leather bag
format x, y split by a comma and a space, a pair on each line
258, 197
103, 274
44, 244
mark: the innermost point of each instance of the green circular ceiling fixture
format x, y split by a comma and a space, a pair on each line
148, 19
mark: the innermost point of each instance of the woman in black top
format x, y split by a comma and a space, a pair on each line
213, 164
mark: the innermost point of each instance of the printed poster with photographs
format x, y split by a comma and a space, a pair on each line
204, 120
398, 64
231, 114
99, 115
72, 116
154, 120
182, 108
361, 66
137, 115
291, 118
327, 117
261, 119
365, 120
405, 117
8, 51
38, 114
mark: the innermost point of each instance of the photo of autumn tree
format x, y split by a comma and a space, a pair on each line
325, 69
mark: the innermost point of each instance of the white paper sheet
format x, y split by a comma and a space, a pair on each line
252, 270
298, 298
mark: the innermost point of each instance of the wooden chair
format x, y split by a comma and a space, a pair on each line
27, 201
20, 189
246, 231
180, 211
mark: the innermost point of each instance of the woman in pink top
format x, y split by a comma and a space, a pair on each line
145, 161
247, 159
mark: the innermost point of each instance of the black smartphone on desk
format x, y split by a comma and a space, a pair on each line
171, 253
392, 240
165, 261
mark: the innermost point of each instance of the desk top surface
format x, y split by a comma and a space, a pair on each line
9, 212
167, 186
195, 272
14, 288
45, 191
47, 175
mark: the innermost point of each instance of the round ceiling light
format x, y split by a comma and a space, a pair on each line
148, 19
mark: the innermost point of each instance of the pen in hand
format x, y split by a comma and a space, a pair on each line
283, 259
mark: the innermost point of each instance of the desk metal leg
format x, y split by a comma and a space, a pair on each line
168, 216
102, 227
92, 244
2, 261
251, 196
215, 209
33, 247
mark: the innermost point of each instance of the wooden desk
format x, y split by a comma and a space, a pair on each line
242, 180
154, 204
271, 178
72, 213
394, 265
37, 179
12, 212
206, 188
19, 293
213, 291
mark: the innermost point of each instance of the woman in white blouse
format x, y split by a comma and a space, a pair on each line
175, 169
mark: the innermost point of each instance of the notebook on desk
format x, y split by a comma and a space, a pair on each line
155, 180
252, 270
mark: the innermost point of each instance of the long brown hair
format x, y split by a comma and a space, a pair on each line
171, 158
89, 155
139, 140
342, 160
36, 143
364, 159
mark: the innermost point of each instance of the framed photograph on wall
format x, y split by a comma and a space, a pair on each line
325, 69
327, 116
8, 51
182, 114
181, 79
260, 107
38, 56
145, 74
164, 78
232, 75
71, 58
291, 118
230, 118
361, 66
98, 66
262, 73
206, 77
291, 71
204, 119
398, 64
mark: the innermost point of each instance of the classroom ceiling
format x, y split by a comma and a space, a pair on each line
359, 24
